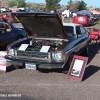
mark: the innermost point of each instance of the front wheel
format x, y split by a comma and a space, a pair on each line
85, 52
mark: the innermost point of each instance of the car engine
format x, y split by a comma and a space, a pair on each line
36, 45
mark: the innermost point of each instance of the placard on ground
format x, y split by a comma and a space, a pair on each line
77, 67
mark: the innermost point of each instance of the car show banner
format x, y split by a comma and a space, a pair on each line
77, 67
2, 61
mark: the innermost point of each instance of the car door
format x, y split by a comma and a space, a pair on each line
85, 36
80, 38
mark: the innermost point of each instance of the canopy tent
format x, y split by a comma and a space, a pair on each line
84, 12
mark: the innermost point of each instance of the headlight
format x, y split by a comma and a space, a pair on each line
57, 56
11, 52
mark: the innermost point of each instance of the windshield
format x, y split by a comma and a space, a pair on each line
69, 31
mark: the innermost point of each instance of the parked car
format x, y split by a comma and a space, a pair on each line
3, 9
96, 17
10, 33
50, 45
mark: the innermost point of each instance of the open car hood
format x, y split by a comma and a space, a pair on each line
41, 24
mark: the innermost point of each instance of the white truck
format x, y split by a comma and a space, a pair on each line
4, 9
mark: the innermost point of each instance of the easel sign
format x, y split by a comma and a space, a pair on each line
77, 67
2, 61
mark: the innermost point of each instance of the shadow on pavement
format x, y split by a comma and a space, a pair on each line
93, 50
90, 70
50, 70
10, 68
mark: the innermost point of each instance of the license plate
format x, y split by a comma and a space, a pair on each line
30, 66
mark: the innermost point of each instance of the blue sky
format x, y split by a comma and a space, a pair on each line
94, 3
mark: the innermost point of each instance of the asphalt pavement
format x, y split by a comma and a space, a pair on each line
25, 84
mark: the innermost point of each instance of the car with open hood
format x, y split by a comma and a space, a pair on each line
49, 45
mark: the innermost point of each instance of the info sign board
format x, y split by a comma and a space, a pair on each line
2, 61
77, 67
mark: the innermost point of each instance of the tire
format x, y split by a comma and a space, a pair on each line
85, 52
67, 65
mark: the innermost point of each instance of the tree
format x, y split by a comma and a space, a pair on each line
11, 3
70, 3
82, 5
52, 4
73, 6
19, 3
77, 5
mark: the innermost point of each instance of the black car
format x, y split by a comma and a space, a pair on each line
50, 45
96, 17
10, 33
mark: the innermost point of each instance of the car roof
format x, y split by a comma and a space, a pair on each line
71, 24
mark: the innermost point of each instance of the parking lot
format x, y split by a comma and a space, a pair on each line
25, 84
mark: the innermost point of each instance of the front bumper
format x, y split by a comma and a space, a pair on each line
39, 63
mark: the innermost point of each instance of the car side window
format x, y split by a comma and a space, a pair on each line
83, 30
78, 31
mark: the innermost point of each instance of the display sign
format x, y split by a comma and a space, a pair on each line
2, 65
2, 61
23, 47
45, 49
77, 67
2, 54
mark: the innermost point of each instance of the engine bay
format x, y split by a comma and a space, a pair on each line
36, 44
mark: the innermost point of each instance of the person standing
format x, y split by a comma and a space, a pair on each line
62, 18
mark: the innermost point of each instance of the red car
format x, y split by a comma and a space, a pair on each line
84, 20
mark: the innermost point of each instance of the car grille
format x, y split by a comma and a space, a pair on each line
31, 55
